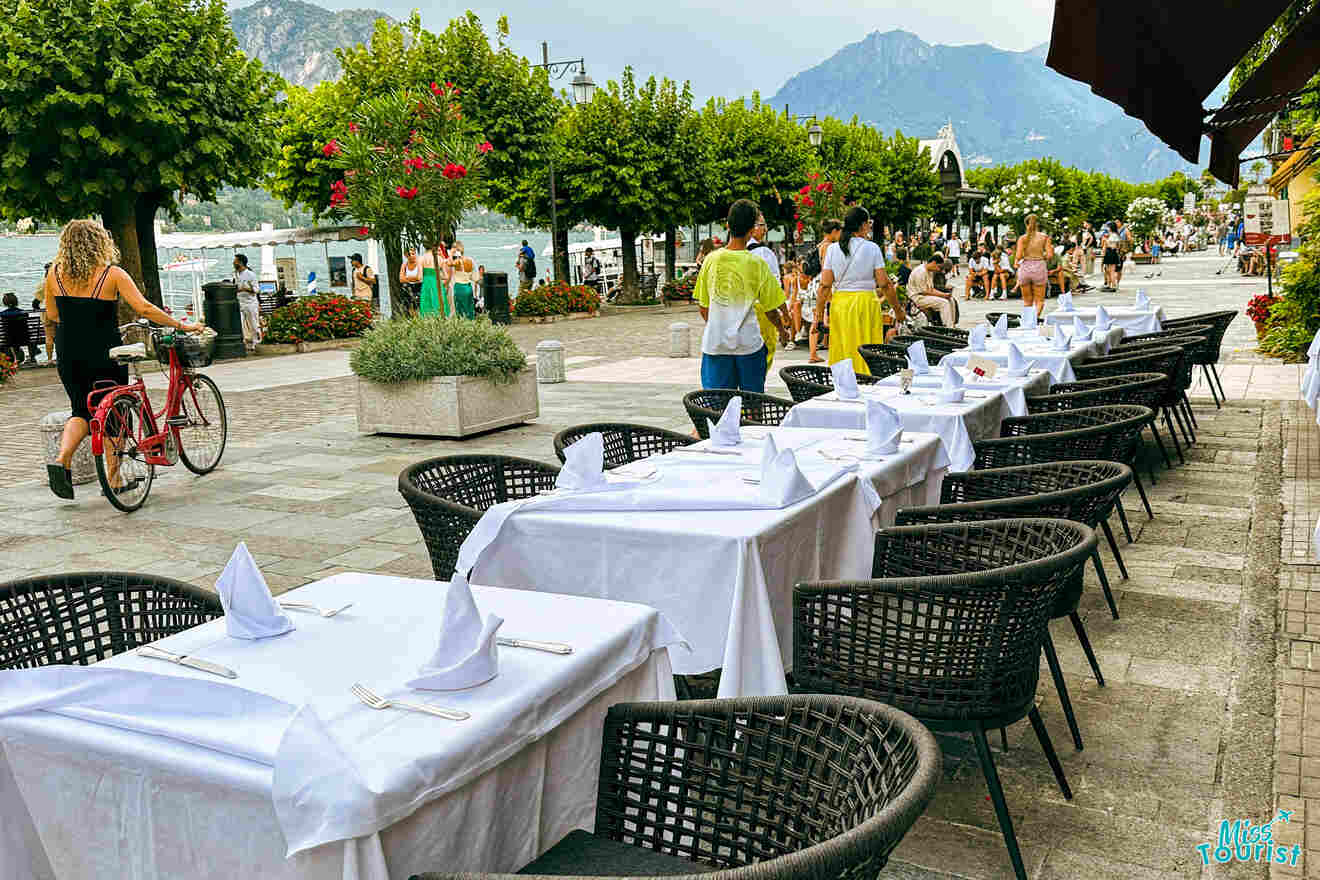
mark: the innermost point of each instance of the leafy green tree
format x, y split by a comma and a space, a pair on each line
666, 118
913, 185
111, 107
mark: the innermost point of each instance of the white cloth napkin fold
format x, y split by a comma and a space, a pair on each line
725, 432
1029, 318
916, 357
1001, 327
1080, 330
1142, 302
976, 338
250, 610
782, 481
1058, 341
1065, 302
467, 654
884, 428
1017, 364
1102, 319
845, 379
1314, 350
584, 464
952, 391
1311, 385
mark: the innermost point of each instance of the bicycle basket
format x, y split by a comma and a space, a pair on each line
135, 332
194, 350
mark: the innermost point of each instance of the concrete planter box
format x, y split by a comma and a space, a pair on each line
446, 406
641, 309
550, 319
277, 348
328, 344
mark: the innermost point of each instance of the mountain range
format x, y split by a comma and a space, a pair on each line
298, 40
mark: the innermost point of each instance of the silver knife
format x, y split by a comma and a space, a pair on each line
548, 647
184, 660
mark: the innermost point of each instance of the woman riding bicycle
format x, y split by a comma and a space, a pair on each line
83, 289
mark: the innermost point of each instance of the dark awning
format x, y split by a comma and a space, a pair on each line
1158, 60
1267, 91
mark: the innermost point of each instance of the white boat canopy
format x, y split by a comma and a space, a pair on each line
259, 237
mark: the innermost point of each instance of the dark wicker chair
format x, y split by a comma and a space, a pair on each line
935, 348
78, 619
1104, 433
624, 443
806, 381
1177, 400
789, 788
883, 359
1218, 322
704, 407
951, 630
1170, 360
448, 495
992, 318
944, 336
1082, 491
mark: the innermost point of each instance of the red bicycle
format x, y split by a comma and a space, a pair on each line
129, 439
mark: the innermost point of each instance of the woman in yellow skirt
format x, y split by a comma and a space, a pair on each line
851, 281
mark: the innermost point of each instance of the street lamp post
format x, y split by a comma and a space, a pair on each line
583, 91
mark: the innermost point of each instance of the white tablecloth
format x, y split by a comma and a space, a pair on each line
87, 793
1133, 321
724, 577
1034, 348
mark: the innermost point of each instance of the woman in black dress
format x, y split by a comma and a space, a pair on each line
83, 289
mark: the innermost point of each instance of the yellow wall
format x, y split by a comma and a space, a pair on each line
1298, 188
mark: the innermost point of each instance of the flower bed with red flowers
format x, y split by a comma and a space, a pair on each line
1258, 308
319, 318
680, 289
7, 368
556, 299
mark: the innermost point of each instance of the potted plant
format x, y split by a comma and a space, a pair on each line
1144, 217
1258, 310
442, 377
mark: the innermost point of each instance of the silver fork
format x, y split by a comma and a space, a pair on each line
324, 612
377, 702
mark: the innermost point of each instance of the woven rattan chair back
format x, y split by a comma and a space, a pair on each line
78, 619
624, 443
806, 381
1105, 433
944, 336
935, 348
706, 406
1218, 322
884, 359
448, 495
1142, 389
1166, 360
950, 628
992, 318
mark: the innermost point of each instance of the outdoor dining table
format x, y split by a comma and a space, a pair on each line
138, 768
1133, 321
959, 425
1034, 348
725, 577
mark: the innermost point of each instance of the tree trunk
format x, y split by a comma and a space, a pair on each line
393, 262
630, 292
671, 252
147, 206
121, 221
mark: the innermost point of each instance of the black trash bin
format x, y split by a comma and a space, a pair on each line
495, 288
222, 316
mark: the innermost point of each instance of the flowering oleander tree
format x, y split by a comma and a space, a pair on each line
819, 200
1145, 216
1029, 194
411, 166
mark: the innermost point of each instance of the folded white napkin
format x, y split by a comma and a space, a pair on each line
884, 428
1102, 319
845, 379
250, 610
1314, 350
951, 391
584, 464
1017, 364
976, 338
782, 481
1311, 385
1065, 302
1058, 341
1080, 330
725, 432
1001, 327
916, 355
467, 654
1142, 302
1029, 318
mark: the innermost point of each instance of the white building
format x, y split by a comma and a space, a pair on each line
947, 160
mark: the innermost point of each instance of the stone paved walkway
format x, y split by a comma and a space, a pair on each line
1183, 734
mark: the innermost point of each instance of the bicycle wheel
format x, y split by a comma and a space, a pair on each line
121, 467
202, 440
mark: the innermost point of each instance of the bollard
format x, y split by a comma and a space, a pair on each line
680, 345
550, 361
83, 467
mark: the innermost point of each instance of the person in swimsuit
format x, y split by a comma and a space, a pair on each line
1032, 249
83, 289
460, 288
410, 276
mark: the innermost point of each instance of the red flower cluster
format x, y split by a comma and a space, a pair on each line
331, 148
363, 230
318, 318
352, 128
415, 163
1258, 309
806, 188
338, 193
485, 148
406, 192
814, 175
825, 187
556, 299
454, 172
807, 202
7, 368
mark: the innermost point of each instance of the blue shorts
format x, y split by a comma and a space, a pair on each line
741, 372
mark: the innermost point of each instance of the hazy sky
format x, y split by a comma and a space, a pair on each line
728, 49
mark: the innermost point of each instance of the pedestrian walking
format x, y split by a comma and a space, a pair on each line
249, 308
460, 289
1033, 249
853, 276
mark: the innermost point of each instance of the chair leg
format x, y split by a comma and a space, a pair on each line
1159, 441
1191, 414
1104, 583
1205, 371
1056, 672
1003, 738
1048, 747
1215, 372
1141, 490
1189, 439
1122, 518
997, 797
1113, 546
1173, 434
1086, 647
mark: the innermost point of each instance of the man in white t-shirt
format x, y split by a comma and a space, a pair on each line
756, 245
955, 252
249, 309
978, 268
921, 291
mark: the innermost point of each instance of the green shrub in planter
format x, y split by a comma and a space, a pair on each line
317, 319
416, 348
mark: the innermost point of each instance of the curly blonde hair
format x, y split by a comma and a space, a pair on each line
84, 247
